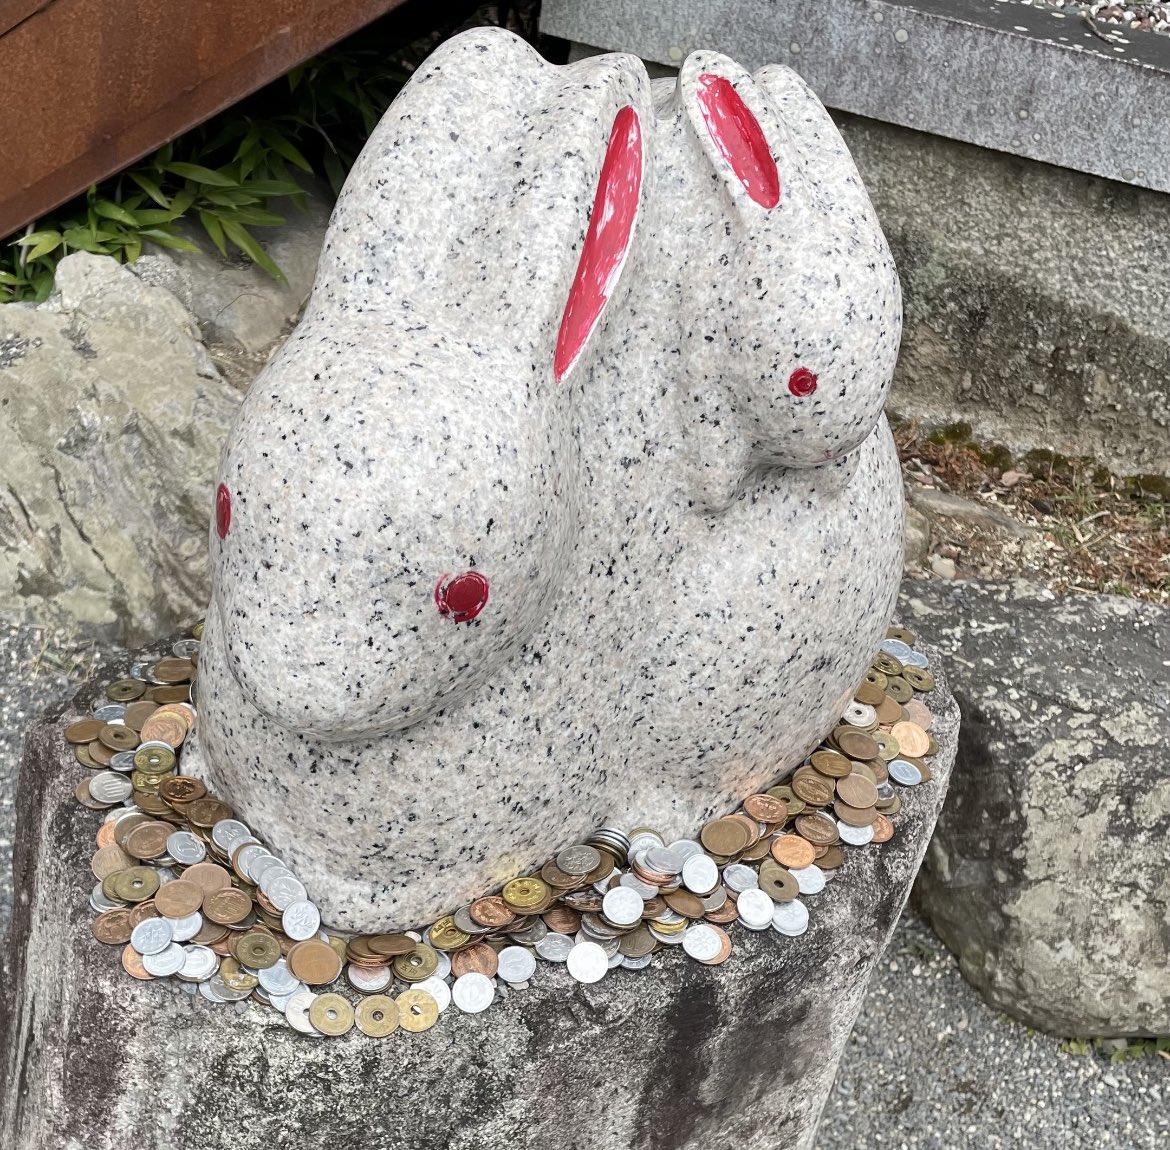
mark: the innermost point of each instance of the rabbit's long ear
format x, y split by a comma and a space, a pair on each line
473, 198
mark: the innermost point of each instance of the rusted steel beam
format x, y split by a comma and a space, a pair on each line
87, 87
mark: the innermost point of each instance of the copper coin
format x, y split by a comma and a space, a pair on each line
143, 910
793, 852
138, 712
314, 962
726, 913
210, 933
889, 710
490, 911
857, 791
207, 812
555, 877
480, 959
726, 836
185, 711
226, 905
870, 694
684, 902
390, 945
562, 919
208, 875
132, 965
831, 859
173, 670
724, 949
765, 808
883, 829
831, 763
83, 731
113, 927
812, 787
757, 851
109, 860
854, 816
82, 755
151, 804
148, 840
105, 835
167, 695
100, 753
82, 795
179, 899
818, 829
181, 789
919, 714
856, 744
911, 738
164, 728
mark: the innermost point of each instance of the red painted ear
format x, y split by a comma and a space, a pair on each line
739, 138
606, 241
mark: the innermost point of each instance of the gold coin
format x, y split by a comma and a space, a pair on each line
82, 755
870, 694
376, 1015
331, 1014
899, 690
418, 963
417, 1011
234, 976
902, 635
778, 884
136, 884
525, 893
445, 935
255, 948
125, 690
156, 760
100, 753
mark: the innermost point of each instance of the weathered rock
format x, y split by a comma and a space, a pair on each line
677, 1056
111, 421
1049, 874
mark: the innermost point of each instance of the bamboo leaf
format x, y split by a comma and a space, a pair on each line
168, 240
151, 189
111, 211
200, 175
39, 243
247, 243
214, 229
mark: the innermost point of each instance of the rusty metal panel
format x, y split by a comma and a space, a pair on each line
87, 87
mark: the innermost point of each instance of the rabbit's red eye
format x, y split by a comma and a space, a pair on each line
802, 382
606, 241
463, 598
223, 510
739, 138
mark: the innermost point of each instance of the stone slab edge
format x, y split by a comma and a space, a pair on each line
1031, 81
675, 1056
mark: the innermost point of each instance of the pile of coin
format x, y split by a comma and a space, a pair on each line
190, 893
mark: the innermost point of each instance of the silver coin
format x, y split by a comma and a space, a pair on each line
185, 848
580, 860
854, 836
296, 1011
140, 672
186, 928
609, 946
685, 848
166, 962
114, 713
123, 761
616, 960
554, 947
860, 715
622, 906
640, 962
438, 989
151, 935
916, 659
248, 854
755, 909
473, 992
900, 771
277, 978
227, 834
645, 890
663, 860
301, 920
810, 879
643, 840
280, 1001
790, 918
602, 885
284, 890
739, 878
700, 874
199, 963
368, 979
109, 787
886, 790
185, 648
669, 939
896, 648
715, 900
701, 942
271, 873
467, 924
517, 964
205, 990
444, 965
587, 962
531, 936
98, 900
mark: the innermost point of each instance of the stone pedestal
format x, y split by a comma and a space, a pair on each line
677, 1055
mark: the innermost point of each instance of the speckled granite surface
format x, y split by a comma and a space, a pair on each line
477, 588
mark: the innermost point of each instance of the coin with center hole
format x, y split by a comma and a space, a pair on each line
417, 1010
377, 1016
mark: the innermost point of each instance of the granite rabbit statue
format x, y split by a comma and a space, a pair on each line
570, 496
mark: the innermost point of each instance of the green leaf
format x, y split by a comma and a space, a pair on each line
200, 174
229, 199
168, 240
151, 189
334, 172
111, 211
240, 236
284, 148
81, 239
9, 278
150, 217
258, 217
214, 229
133, 249
39, 243
182, 201
273, 187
